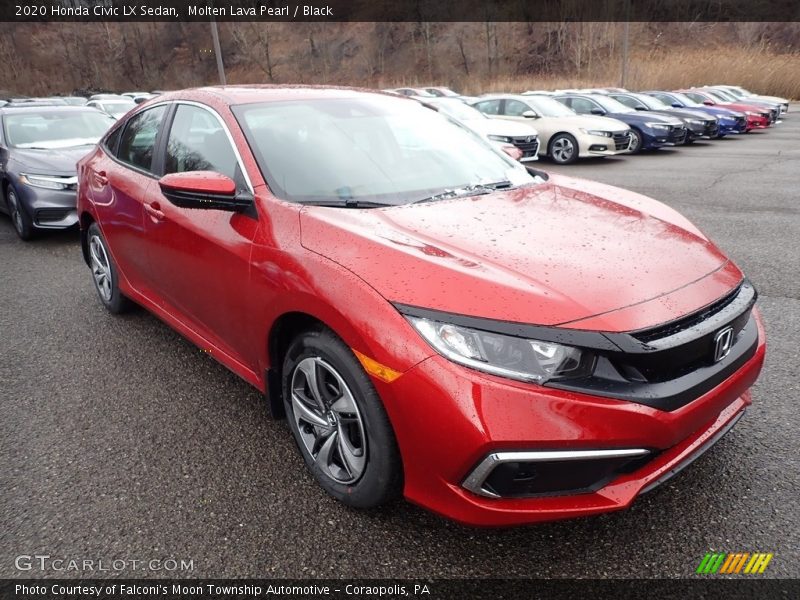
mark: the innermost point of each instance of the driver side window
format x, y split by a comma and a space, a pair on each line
197, 142
515, 108
628, 101
583, 106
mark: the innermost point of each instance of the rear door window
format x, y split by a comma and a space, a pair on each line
138, 141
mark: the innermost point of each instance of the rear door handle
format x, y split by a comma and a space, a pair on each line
153, 211
101, 178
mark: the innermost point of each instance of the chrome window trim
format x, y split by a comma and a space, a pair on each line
475, 480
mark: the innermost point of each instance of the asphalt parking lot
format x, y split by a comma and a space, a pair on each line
121, 440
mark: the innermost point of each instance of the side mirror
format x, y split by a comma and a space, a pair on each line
708, 103
529, 114
676, 105
640, 107
598, 111
204, 189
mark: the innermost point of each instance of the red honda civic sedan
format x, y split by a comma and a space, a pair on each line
432, 318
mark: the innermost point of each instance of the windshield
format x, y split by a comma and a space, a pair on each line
55, 129
548, 107
368, 149
458, 110
721, 96
651, 102
686, 100
447, 92
117, 108
611, 105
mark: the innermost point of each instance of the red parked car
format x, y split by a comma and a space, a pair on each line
758, 117
433, 319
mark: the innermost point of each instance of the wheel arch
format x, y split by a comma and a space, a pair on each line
85, 220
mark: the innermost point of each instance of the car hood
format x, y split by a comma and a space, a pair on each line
591, 122
498, 127
690, 113
552, 254
645, 116
775, 99
57, 161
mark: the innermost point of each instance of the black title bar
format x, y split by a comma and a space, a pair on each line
400, 10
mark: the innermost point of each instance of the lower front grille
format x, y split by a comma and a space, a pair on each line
622, 141
677, 134
528, 144
51, 215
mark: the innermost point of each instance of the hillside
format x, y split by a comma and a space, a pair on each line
57, 58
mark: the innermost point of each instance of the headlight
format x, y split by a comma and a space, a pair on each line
695, 121
501, 138
49, 182
596, 132
504, 355
753, 113
657, 125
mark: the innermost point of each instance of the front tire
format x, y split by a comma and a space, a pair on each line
104, 273
636, 141
563, 149
338, 421
19, 218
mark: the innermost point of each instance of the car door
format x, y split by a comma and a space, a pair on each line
120, 178
199, 258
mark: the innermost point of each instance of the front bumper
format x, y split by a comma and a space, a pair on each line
598, 145
449, 419
48, 209
757, 122
733, 126
656, 138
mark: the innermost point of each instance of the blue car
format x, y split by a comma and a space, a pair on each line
649, 130
730, 121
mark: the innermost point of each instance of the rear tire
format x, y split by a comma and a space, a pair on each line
104, 273
338, 421
23, 224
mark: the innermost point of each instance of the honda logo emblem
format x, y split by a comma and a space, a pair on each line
723, 342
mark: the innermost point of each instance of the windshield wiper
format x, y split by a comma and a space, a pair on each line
473, 189
348, 203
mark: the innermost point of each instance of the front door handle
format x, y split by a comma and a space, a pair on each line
101, 178
153, 211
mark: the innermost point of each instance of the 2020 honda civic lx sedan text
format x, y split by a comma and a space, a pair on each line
433, 319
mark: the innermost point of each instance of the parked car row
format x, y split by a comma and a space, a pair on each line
573, 124
391, 279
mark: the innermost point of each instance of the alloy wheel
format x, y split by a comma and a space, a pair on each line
563, 149
328, 420
16, 215
635, 142
101, 268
